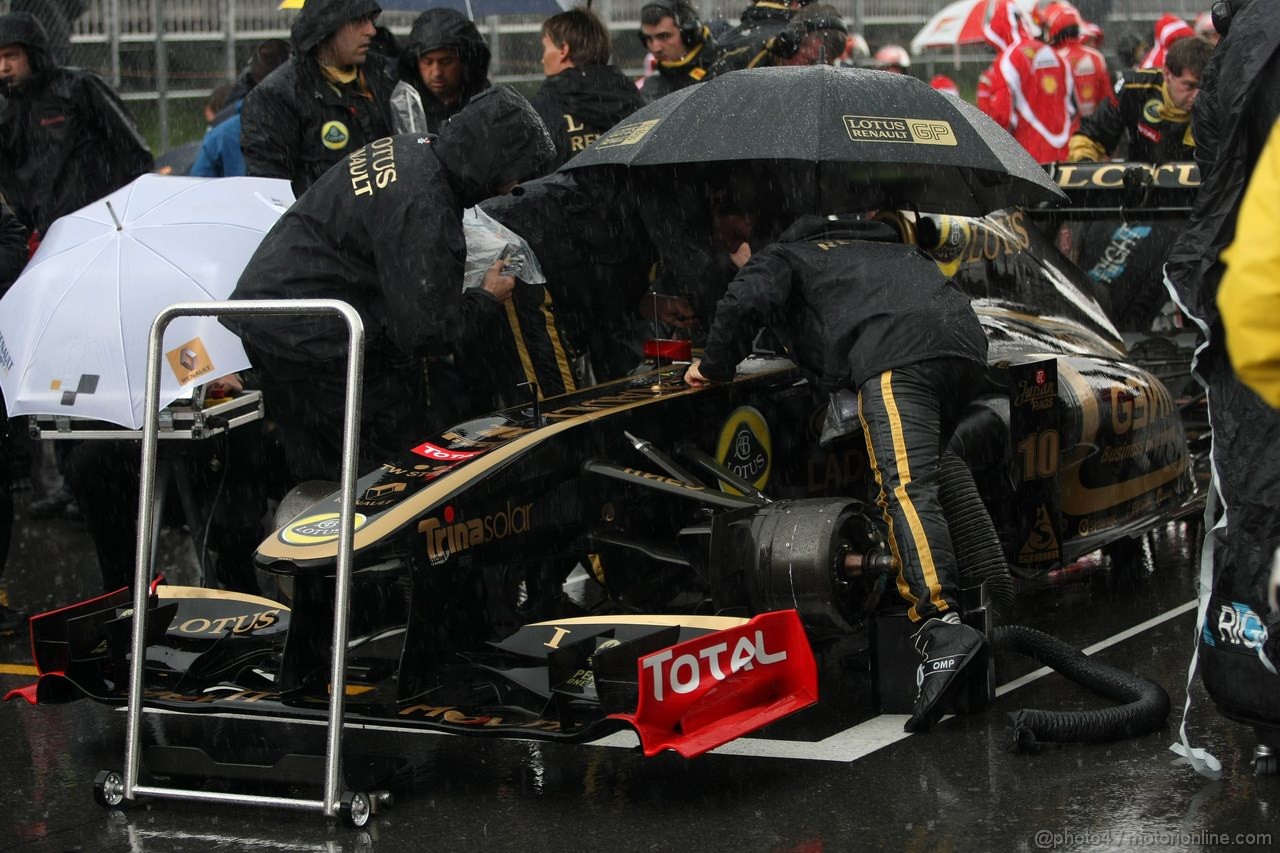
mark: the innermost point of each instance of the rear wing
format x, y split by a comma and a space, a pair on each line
1101, 190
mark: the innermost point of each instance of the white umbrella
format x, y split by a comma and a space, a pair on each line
74, 326
959, 23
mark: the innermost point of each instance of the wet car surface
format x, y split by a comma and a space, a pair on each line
833, 777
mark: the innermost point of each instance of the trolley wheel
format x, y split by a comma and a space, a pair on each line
1266, 765
355, 809
108, 789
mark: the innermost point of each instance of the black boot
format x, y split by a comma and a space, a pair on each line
946, 650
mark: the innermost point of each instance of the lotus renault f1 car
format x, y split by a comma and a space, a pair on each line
718, 533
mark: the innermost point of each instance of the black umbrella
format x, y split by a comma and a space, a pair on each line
877, 139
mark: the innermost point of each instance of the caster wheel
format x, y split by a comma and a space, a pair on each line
355, 809
108, 789
1266, 765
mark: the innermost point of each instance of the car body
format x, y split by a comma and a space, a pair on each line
705, 524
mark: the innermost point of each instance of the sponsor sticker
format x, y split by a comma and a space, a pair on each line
189, 361
85, 386
745, 447
627, 134
442, 454
449, 535
912, 131
6, 358
335, 135
316, 529
1236, 627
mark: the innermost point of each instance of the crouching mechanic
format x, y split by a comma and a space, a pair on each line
911, 346
382, 231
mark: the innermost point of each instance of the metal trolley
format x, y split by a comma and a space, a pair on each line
114, 788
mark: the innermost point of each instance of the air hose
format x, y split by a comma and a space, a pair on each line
973, 534
978, 553
1145, 708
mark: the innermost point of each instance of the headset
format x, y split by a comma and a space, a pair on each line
686, 22
787, 43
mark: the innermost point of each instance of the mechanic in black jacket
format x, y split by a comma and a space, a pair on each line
583, 96
1153, 110
860, 310
323, 104
66, 139
382, 231
680, 42
444, 62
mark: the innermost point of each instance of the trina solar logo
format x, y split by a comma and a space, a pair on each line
451, 536
914, 131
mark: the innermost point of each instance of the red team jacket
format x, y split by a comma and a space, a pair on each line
1028, 90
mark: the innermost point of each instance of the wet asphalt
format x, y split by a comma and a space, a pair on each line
834, 777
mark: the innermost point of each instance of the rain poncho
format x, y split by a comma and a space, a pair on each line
1158, 131
1028, 89
1249, 298
66, 139
383, 231
416, 108
579, 104
13, 248
297, 123
1238, 104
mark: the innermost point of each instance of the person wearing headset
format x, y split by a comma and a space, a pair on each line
682, 45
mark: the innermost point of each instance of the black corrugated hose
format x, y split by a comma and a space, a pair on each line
973, 534
1146, 703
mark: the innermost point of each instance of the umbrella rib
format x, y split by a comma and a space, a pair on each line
171, 198
39, 336
176, 268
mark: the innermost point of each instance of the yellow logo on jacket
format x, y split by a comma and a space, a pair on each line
335, 135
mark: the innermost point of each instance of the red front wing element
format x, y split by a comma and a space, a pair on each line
707, 691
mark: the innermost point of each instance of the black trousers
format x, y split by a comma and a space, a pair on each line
229, 480
907, 415
306, 401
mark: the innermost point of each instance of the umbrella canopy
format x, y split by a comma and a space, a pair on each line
959, 23
74, 326
877, 139
471, 8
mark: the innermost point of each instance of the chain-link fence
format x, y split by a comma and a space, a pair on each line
167, 55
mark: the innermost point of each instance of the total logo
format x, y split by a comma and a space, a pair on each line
441, 454
685, 674
316, 529
1238, 625
451, 535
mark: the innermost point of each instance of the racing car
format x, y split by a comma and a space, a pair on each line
718, 535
